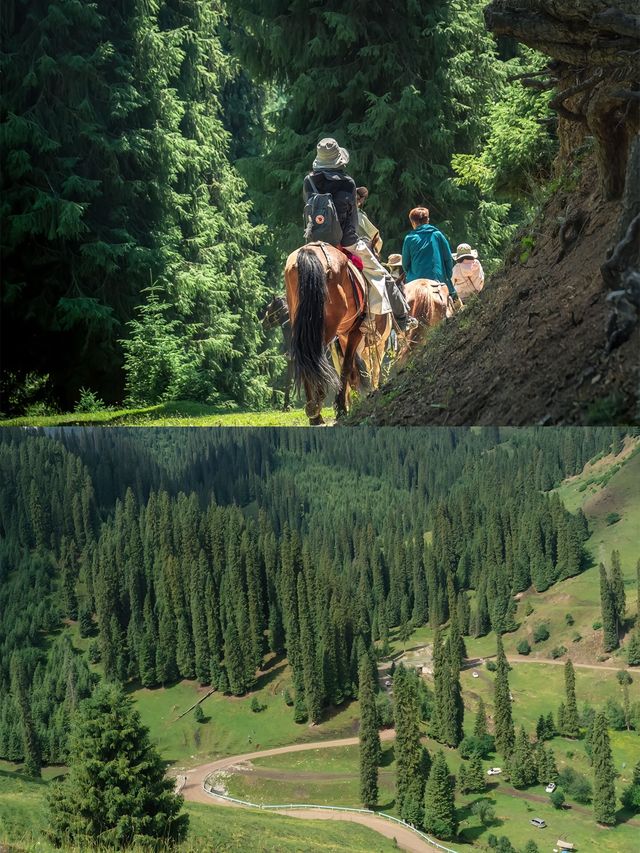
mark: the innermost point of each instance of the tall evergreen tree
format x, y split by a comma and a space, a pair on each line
439, 802
20, 689
116, 792
480, 726
608, 610
617, 590
116, 175
409, 752
233, 660
521, 764
504, 731
368, 735
452, 706
604, 794
571, 721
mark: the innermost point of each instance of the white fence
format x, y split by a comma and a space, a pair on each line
209, 790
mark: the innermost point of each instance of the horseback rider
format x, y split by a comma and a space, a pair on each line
367, 231
329, 177
394, 265
426, 252
467, 275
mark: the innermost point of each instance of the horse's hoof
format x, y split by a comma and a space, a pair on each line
318, 421
286, 408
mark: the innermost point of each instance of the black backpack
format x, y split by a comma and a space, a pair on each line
321, 223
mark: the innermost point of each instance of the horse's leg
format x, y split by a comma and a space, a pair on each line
313, 408
353, 341
287, 387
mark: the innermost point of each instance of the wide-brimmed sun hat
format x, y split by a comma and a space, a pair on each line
394, 260
329, 155
464, 250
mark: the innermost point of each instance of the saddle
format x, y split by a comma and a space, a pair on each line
357, 279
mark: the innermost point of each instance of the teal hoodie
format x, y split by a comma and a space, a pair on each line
426, 254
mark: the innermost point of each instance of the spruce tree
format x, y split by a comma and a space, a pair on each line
617, 590
633, 648
119, 181
607, 606
604, 793
521, 765
368, 735
31, 753
571, 721
475, 774
439, 801
410, 754
233, 660
504, 731
480, 726
116, 792
452, 707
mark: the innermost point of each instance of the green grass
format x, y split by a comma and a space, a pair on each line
181, 413
231, 727
608, 486
23, 818
513, 814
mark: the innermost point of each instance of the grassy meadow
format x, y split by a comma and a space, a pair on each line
181, 413
23, 820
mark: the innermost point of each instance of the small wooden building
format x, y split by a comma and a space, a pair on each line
565, 845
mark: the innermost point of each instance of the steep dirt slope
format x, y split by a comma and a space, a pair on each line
532, 347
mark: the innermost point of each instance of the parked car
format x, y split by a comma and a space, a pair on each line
476, 675
550, 787
494, 771
538, 822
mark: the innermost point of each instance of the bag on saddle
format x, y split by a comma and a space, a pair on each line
321, 223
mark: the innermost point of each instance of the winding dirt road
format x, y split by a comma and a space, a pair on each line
190, 783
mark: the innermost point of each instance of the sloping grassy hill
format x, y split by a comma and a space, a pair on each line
607, 486
23, 819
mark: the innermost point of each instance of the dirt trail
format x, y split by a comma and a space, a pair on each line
190, 784
562, 663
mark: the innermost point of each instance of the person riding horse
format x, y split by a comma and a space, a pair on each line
329, 176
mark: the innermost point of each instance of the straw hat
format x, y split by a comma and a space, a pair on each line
464, 250
394, 260
329, 155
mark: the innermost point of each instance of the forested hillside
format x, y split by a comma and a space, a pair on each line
191, 555
152, 162
553, 337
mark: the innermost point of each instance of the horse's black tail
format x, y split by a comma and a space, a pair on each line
307, 338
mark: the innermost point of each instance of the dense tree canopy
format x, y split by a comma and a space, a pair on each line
189, 554
121, 206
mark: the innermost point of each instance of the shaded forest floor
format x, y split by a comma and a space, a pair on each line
531, 348
181, 413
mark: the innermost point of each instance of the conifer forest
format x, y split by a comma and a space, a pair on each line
153, 155
138, 563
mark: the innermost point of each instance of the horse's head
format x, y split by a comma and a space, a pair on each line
275, 313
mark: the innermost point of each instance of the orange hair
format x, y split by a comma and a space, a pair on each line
419, 215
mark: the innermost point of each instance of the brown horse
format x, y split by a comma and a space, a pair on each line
430, 303
322, 306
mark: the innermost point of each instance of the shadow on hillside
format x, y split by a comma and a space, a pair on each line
12, 775
388, 757
265, 677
